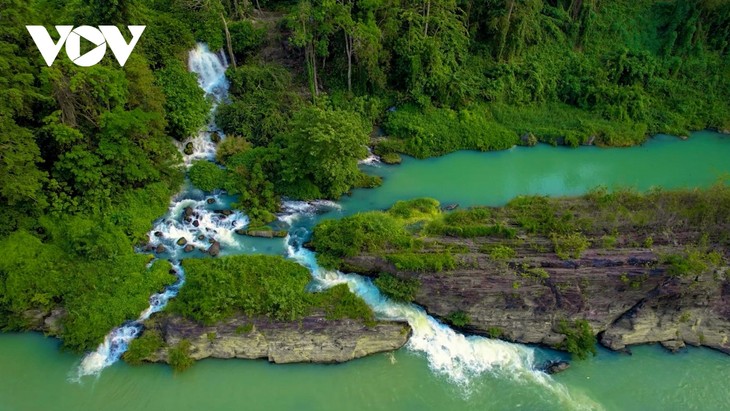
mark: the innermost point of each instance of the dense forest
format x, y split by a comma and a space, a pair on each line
87, 158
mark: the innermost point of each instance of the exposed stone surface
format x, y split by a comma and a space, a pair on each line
311, 339
625, 294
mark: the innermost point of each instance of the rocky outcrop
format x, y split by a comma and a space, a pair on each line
263, 233
626, 295
311, 339
48, 321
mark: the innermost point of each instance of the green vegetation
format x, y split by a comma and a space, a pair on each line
459, 319
366, 232
339, 302
185, 105
401, 289
502, 253
495, 332
414, 235
422, 262
258, 285
142, 347
179, 356
692, 262
579, 338
570, 246
206, 175
87, 159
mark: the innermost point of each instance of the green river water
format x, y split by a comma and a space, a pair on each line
34, 373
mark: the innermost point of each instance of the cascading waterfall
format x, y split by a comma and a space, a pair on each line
371, 160
460, 358
211, 70
200, 226
193, 217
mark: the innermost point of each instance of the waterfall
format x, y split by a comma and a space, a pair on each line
458, 357
190, 216
211, 70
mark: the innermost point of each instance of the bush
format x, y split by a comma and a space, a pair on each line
144, 346
579, 338
401, 289
259, 285
245, 38
206, 175
365, 232
338, 303
185, 106
502, 253
436, 132
417, 208
570, 246
459, 319
692, 262
179, 356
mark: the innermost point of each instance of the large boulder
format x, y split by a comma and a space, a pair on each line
214, 249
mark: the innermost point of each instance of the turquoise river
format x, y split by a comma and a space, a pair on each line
35, 374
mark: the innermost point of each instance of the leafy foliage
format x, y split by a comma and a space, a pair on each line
185, 106
322, 149
206, 175
179, 356
372, 231
259, 285
397, 288
579, 338
142, 347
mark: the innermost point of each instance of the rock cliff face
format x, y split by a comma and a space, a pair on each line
311, 339
626, 295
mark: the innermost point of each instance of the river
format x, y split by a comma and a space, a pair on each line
36, 375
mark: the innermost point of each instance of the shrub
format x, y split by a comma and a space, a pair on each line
502, 253
179, 356
206, 175
416, 208
459, 318
437, 131
185, 106
365, 232
570, 246
579, 338
338, 303
245, 38
401, 289
692, 262
144, 346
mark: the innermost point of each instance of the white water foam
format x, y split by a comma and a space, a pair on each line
460, 358
116, 342
200, 229
211, 70
371, 159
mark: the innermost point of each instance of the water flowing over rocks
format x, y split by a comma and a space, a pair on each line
311, 339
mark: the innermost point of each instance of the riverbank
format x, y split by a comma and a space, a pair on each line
258, 306
311, 339
625, 267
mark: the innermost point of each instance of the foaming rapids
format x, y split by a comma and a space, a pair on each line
211, 70
117, 342
461, 359
371, 160
196, 225
193, 225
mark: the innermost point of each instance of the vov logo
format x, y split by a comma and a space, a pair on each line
72, 38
